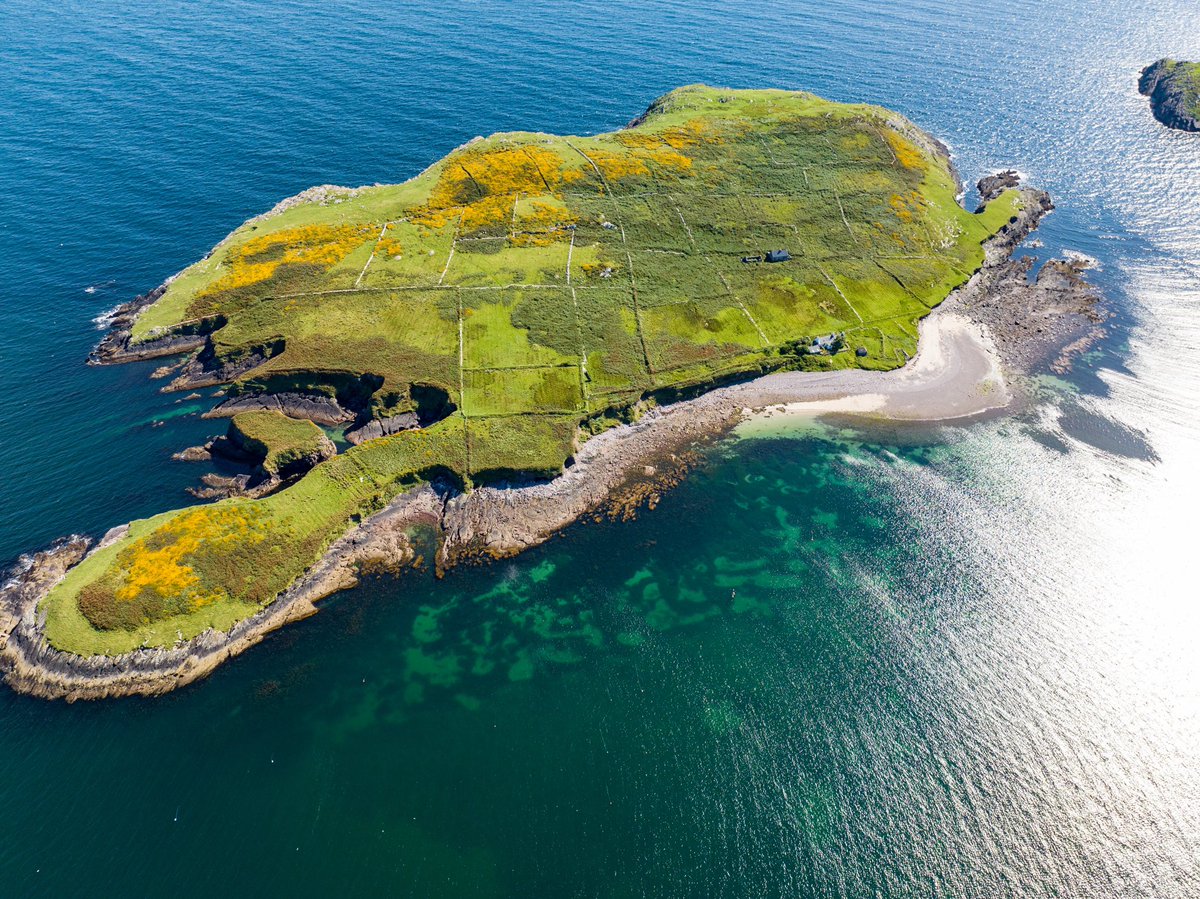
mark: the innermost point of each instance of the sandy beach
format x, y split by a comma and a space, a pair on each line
956, 374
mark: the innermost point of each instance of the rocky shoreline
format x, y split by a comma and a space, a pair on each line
116, 345
1030, 324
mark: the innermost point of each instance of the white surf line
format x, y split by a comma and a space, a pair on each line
745, 311
371, 258
571, 250
833, 283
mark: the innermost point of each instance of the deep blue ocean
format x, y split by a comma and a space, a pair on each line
839, 661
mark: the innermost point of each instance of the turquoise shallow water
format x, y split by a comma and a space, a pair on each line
895, 662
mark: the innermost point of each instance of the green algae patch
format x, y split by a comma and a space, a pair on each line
538, 283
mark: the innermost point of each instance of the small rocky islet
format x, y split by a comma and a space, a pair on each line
1173, 87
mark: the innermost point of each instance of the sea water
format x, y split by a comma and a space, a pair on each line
838, 661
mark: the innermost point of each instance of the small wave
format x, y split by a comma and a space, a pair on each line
93, 288
104, 320
1083, 260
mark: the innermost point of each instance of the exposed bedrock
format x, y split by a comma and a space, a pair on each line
115, 346
992, 186
206, 369
324, 410
260, 480
384, 427
1039, 324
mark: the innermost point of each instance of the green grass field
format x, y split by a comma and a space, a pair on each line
539, 282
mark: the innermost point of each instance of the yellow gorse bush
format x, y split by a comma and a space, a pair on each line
624, 165
492, 176
677, 137
479, 188
906, 151
389, 246
161, 561
540, 215
324, 245
488, 211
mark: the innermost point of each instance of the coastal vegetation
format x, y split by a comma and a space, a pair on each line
538, 287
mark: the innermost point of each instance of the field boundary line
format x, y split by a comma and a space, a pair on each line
845, 298
628, 256
761, 335
371, 258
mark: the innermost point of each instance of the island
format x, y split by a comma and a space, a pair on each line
1173, 87
534, 329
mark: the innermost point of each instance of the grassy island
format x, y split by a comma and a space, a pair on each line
524, 290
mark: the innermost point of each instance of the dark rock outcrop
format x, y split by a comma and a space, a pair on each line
1174, 91
324, 410
206, 369
201, 453
383, 427
994, 185
116, 346
260, 479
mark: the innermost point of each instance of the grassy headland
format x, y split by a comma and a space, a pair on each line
276, 439
533, 284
